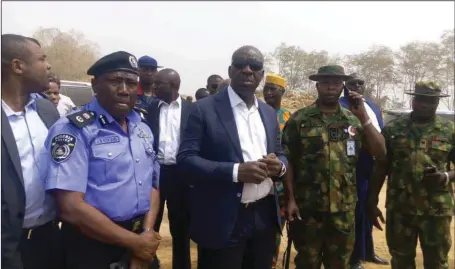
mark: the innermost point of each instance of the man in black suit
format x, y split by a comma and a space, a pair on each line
30, 234
166, 116
231, 150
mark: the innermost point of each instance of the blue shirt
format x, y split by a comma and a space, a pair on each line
143, 101
30, 133
115, 170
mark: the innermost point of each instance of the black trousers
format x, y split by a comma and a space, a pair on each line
83, 252
174, 191
252, 241
41, 247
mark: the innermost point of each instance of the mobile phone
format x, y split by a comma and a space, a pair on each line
354, 102
429, 170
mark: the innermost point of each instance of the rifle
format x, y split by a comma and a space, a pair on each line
287, 252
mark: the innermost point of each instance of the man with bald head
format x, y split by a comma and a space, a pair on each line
213, 81
166, 116
231, 149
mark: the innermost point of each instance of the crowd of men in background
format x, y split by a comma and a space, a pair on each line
85, 188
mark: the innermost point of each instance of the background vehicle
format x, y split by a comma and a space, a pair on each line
80, 92
395, 113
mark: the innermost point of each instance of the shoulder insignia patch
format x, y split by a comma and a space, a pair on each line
82, 118
62, 146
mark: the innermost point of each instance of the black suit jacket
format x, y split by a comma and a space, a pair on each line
13, 194
153, 119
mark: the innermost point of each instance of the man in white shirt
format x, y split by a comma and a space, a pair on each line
230, 148
363, 248
65, 105
63, 102
166, 115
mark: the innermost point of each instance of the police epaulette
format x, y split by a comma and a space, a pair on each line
142, 112
82, 118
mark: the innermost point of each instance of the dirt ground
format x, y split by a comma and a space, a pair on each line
165, 250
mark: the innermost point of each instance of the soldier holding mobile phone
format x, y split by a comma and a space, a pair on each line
419, 202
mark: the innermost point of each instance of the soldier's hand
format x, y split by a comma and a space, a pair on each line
374, 213
434, 179
146, 246
252, 172
292, 211
359, 111
136, 263
273, 164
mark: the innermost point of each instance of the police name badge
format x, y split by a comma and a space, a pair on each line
62, 146
350, 147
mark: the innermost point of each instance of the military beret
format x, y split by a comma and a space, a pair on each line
117, 61
147, 61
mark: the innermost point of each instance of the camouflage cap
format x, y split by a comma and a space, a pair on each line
427, 88
330, 71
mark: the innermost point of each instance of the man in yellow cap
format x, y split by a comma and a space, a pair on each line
273, 91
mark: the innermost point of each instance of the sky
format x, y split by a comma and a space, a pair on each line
197, 39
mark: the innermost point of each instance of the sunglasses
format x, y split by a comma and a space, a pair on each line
355, 82
254, 65
214, 86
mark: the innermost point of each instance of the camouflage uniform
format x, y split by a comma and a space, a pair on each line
325, 185
413, 209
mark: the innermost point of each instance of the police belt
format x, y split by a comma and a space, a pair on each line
134, 225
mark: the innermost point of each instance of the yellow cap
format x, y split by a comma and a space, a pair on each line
276, 79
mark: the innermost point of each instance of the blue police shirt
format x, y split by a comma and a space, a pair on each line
143, 101
115, 170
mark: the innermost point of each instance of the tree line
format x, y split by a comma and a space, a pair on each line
388, 73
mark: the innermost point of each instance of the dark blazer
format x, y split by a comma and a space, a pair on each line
13, 194
209, 148
365, 162
153, 118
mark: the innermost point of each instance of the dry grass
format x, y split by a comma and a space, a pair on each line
165, 250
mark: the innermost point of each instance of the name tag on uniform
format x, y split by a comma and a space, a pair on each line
350, 147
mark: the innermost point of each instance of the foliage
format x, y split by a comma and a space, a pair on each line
388, 74
69, 53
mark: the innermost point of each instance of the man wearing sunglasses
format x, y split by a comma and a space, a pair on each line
230, 148
213, 82
363, 248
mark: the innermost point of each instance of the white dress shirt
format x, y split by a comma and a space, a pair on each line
65, 105
253, 142
30, 133
372, 116
170, 117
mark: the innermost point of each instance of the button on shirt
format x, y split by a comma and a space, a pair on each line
170, 117
253, 142
30, 133
115, 170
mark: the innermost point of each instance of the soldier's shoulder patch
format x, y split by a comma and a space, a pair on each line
62, 145
82, 118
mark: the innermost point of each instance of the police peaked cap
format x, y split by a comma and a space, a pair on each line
117, 61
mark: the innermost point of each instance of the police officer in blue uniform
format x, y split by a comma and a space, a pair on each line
148, 67
104, 174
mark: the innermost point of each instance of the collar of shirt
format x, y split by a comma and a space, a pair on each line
132, 117
30, 104
177, 102
235, 99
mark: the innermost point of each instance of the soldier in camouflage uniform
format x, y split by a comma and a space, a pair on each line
322, 143
419, 202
